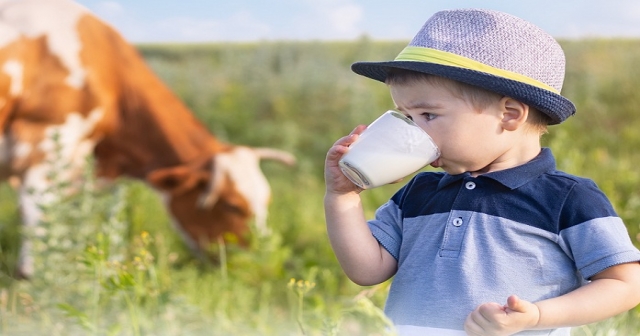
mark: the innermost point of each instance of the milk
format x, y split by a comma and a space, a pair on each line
391, 148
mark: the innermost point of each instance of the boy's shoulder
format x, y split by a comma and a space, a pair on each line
579, 184
569, 177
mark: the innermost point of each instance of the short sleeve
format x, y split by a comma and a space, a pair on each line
592, 233
387, 227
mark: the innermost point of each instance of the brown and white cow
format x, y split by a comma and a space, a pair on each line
64, 72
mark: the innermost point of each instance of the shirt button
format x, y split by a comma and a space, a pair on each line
457, 222
470, 185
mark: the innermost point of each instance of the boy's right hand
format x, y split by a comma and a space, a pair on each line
336, 182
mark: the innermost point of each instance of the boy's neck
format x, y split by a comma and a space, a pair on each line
517, 155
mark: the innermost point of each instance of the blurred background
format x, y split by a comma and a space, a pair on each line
276, 73
254, 20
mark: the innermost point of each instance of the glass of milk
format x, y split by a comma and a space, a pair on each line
392, 147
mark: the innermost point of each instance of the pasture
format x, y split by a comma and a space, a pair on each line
109, 263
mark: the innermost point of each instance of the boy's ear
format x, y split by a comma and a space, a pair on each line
514, 113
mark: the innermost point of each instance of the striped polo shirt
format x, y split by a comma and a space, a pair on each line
461, 241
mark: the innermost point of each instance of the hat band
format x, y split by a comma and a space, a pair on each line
429, 55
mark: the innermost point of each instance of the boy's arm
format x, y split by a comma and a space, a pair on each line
611, 292
362, 258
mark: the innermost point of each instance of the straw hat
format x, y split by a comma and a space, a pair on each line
493, 50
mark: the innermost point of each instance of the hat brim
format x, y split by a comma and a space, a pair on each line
557, 107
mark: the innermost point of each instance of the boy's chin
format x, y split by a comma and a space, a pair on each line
452, 170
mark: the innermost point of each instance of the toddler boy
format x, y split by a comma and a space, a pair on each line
501, 242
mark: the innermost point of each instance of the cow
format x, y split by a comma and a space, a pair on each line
70, 80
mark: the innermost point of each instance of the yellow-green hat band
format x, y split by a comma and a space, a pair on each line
422, 54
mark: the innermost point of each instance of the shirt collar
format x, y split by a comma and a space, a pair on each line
513, 177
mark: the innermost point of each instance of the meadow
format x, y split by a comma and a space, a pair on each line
109, 263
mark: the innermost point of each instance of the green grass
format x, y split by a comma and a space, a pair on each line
109, 262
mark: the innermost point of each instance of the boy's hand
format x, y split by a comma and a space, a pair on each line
335, 180
493, 319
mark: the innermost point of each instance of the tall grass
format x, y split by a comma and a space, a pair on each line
110, 264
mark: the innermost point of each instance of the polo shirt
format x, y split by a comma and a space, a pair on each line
461, 241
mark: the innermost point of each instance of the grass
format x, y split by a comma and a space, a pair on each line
109, 262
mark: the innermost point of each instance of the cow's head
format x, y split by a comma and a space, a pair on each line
219, 196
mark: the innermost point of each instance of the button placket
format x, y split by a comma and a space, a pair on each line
457, 222
454, 233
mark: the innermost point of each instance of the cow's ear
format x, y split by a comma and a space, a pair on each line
175, 180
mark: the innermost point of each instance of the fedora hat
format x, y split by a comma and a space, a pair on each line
489, 49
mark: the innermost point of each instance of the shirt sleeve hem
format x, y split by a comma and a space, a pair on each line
387, 242
613, 260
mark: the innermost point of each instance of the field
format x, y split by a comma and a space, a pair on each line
109, 262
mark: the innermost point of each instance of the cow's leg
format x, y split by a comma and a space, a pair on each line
34, 192
66, 148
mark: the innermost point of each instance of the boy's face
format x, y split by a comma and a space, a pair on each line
468, 138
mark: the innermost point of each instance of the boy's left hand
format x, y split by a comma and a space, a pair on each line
493, 319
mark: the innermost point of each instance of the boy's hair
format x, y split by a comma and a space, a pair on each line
478, 97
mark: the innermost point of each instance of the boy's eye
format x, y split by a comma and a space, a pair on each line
429, 116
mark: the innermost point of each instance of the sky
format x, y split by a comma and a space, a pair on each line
189, 21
